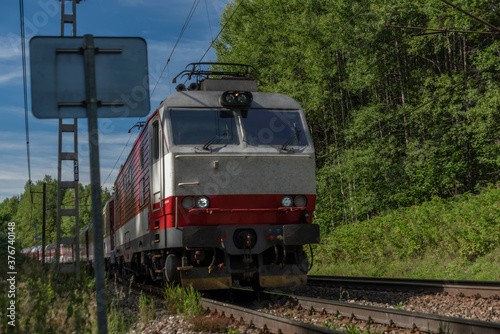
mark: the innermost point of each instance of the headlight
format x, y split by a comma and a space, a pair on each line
286, 201
188, 203
300, 201
202, 202
236, 98
242, 98
230, 99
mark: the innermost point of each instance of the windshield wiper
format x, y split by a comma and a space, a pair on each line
291, 140
216, 139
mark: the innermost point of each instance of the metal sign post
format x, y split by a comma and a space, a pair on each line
43, 222
95, 179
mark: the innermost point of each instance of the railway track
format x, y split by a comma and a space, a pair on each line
479, 289
295, 314
384, 319
267, 323
416, 322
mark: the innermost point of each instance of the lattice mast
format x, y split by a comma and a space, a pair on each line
68, 19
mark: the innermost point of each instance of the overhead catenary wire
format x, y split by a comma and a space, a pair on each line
186, 23
208, 17
123, 150
25, 87
473, 16
443, 30
221, 30
25, 96
25, 93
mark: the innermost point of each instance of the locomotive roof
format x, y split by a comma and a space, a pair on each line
210, 99
246, 84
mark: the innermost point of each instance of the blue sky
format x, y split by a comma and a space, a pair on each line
159, 22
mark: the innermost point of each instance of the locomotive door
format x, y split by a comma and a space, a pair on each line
156, 175
112, 230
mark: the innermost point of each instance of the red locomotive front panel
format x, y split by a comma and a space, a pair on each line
244, 210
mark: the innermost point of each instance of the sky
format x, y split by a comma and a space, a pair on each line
159, 22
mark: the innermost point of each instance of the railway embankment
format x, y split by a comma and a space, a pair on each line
457, 239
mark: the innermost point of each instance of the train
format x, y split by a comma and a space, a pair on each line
219, 187
66, 253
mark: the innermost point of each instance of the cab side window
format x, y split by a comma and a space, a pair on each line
155, 141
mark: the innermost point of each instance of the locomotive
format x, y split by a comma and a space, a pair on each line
218, 187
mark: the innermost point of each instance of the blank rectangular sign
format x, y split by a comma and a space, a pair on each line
58, 77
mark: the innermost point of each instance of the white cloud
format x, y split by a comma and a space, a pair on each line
4, 78
11, 172
43, 153
14, 164
12, 146
134, 3
10, 59
12, 111
13, 175
10, 47
11, 142
216, 6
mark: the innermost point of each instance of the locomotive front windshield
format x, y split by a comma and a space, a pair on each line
211, 128
273, 128
204, 127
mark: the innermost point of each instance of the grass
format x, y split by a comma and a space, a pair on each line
185, 301
117, 320
49, 303
188, 302
147, 309
443, 239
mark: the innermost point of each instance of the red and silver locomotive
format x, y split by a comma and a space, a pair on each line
219, 186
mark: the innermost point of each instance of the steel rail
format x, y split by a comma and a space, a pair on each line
262, 320
404, 319
484, 289
266, 322
389, 317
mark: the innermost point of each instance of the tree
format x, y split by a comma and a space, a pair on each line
8, 209
27, 211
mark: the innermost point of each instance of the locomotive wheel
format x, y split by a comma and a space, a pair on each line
171, 264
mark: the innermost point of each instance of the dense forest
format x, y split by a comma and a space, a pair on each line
399, 116
27, 211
